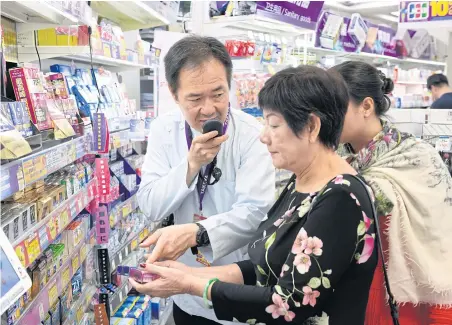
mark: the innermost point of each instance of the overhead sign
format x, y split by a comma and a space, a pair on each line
425, 11
304, 14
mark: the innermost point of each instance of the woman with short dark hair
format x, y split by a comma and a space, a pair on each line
314, 256
414, 195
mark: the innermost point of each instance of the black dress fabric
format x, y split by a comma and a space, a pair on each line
312, 262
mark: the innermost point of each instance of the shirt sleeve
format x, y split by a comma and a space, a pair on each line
336, 234
254, 195
163, 188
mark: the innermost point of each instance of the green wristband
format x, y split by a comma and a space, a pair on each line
206, 290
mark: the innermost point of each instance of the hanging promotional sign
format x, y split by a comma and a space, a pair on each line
304, 14
425, 11
355, 35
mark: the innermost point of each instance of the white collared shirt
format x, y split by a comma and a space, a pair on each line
234, 207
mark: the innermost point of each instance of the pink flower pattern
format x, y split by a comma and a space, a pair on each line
306, 248
302, 262
310, 296
280, 308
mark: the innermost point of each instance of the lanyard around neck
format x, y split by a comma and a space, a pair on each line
203, 179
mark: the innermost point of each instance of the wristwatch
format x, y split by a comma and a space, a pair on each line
202, 237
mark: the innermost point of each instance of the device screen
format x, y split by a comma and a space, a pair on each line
8, 275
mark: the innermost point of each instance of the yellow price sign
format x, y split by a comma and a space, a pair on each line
34, 169
33, 248
146, 232
64, 218
141, 236
79, 315
116, 141
125, 211
52, 226
53, 294
65, 277
441, 8
75, 263
134, 244
83, 252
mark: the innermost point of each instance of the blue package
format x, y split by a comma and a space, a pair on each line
138, 314
61, 68
155, 308
77, 284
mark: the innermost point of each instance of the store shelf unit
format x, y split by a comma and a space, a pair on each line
32, 243
25, 171
82, 304
49, 294
75, 53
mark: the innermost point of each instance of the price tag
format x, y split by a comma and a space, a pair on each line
75, 264
125, 211
141, 236
120, 257
120, 296
113, 265
134, 244
65, 277
33, 249
83, 252
79, 315
444, 144
126, 250
52, 226
53, 294
116, 142
64, 218
20, 252
146, 232
34, 169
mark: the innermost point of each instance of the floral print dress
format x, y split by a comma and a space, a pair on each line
312, 263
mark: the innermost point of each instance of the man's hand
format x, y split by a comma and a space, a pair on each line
171, 242
203, 150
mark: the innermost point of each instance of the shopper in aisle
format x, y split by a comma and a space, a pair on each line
414, 192
218, 188
441, 91
314, 256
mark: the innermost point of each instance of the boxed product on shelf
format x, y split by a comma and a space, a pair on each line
331, 31
17, 113
28, 88
12, 143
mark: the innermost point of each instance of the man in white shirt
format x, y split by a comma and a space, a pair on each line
218, 188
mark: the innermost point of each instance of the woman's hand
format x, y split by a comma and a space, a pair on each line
171, 281
175, 265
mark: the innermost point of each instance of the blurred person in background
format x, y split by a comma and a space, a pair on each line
441, 91
413, 190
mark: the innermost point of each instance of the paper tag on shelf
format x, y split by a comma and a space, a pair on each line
126, 251
120, 257
120, 296
141, 236
33, 248
65, 277
83, 252
34, 169
113, 265
75, 263
134, 244
53, 293
64, 218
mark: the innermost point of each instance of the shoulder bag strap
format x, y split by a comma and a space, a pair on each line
391, 300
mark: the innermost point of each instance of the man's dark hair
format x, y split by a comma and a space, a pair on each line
364, 80
192, 52
437, 80
296, 93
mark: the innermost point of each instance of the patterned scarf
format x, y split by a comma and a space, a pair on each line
413, 188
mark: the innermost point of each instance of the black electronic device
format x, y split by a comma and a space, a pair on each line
213, 125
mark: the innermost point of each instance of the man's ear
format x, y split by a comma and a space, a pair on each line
174, 94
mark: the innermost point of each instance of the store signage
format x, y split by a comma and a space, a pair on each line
303, 14
355, 35
425, 11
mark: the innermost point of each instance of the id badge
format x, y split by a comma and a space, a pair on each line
198, 217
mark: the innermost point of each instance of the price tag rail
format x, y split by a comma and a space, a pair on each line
25, 171
77, 310
54, 288
31, 245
